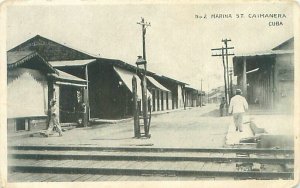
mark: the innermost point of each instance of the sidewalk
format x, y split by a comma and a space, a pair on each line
234, 137
272, 130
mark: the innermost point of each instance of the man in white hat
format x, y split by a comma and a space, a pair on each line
238, 106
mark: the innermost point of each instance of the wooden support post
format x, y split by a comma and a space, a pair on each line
244, 82
85, 110
145, 103
86, 97
135, 109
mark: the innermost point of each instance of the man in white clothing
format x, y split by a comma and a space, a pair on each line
238, 106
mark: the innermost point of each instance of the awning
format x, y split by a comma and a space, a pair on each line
67, 76
71, 62
156, 84
64, 78
126, 77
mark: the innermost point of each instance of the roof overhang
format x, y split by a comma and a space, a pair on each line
19, 58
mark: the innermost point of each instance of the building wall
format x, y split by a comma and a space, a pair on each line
284, 80
27, 93
27, 98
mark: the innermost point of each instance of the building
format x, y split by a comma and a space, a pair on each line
30, 83
267, 78
176, 88
104, 86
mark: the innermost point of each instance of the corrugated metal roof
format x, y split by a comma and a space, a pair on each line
156, 84
263, 53
71, 63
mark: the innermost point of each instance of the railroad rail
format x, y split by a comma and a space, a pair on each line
232, 163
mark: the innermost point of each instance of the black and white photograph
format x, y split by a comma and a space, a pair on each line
147, 92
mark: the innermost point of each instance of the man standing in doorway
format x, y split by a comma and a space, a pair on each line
238, 106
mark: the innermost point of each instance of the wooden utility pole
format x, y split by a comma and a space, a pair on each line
135, 109
201, 94
144, 80
144, 29
231, 87
224, 67
227, 71
224, 54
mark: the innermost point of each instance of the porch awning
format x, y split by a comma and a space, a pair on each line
64, 78
126, 77
67, 76
156, 84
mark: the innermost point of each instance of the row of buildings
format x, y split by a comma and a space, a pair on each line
40, 69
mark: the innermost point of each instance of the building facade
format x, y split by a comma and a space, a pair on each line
267, 78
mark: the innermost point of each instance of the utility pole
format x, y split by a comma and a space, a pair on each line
143, 62
201, 94
144, 28
224, 54
227, 71
231, 87
208, 92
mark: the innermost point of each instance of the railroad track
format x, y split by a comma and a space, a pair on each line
140, 163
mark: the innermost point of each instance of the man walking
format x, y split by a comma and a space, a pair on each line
53, 120
238, 105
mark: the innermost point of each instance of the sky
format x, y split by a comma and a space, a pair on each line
178, 44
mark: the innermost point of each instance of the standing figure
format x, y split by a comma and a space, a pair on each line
238, 106
222, 107
53, 120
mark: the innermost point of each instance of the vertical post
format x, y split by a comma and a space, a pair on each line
86, 94
208, 92
231, 87
50, 97
157, 100
85, 112
227, 71
135, 109
145, 102
201, 94
274, 86
183, 96
244, 82
224, 67
144, 35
